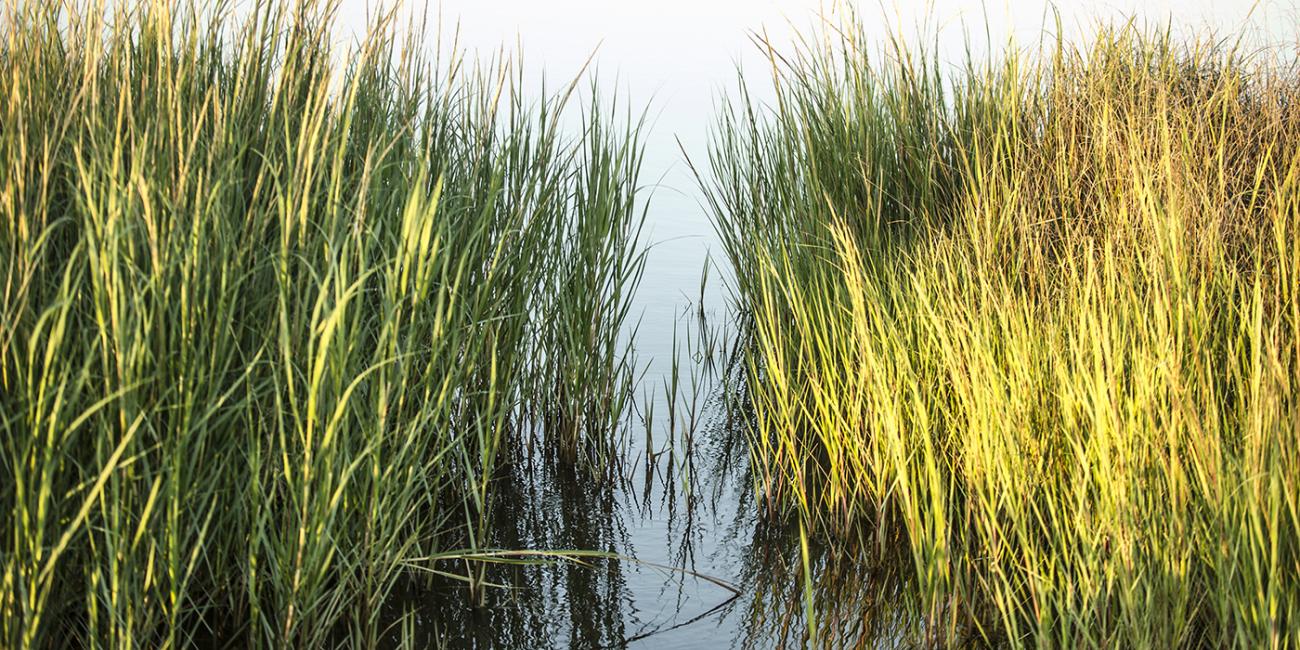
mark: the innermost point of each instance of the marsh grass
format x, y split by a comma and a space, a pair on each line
274, 313
1041, 316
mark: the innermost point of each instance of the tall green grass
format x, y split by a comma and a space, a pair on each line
274, 313
1041, 315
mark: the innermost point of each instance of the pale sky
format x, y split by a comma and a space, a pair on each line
680, 43
676, 55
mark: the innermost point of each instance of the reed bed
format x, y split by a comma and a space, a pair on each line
1040, 314
275, 314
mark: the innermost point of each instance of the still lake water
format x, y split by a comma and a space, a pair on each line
708, 572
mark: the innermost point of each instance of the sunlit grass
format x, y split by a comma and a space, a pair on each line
273, 313
1042, 315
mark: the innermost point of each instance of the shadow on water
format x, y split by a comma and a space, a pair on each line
547, 603
687, 559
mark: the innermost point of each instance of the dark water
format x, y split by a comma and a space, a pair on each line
691, 572
693, 561
678, 519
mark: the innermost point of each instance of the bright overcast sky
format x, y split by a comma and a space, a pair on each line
686, 40
678, 53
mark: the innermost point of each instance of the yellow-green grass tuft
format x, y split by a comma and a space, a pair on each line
1042, 317
274, 313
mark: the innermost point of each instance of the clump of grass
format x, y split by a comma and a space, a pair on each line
1043, 316
273, 314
